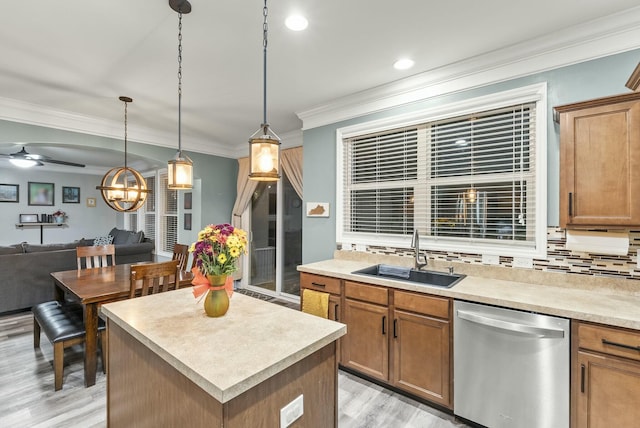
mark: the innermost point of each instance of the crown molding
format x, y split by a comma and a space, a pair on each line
38, 115
591, 40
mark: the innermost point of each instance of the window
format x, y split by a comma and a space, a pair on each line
466, 177
158, 217
168, 212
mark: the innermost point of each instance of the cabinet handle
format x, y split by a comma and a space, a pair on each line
395, 328
582, 370
317, 284
570, 204
335, 312
384, 324
620, 345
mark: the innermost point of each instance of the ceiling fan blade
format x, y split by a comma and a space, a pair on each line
59, 162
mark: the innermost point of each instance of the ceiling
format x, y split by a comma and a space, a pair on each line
71, 60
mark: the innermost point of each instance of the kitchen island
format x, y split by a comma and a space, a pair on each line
171, 365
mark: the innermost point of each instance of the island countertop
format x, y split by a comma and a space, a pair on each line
229, 355
611, 302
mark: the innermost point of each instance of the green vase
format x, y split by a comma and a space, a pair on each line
216, 302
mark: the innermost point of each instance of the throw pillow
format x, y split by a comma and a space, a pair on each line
103, 240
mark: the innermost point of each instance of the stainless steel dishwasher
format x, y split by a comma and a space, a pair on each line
510, 368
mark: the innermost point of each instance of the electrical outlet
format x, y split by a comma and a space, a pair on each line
490, 259
291, 412
523, 262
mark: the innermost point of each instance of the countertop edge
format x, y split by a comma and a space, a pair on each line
510, 294
227, 394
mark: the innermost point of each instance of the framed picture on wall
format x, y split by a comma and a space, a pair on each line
41, 193
187, 221
188, 200
70, 195
9, 193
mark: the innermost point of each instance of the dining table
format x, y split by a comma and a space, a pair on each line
92, 288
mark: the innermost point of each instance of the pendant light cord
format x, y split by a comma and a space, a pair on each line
265, 29
125, 142
180, 83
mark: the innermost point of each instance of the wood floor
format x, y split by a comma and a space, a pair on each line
27, 398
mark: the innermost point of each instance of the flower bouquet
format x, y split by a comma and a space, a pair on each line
216, 253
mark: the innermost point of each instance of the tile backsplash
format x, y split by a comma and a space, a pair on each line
559, 259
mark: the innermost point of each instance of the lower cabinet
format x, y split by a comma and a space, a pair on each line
325, 284
400, 338
422, 346
365, 347
606, 377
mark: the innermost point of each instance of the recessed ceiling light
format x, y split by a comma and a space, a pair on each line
296, 22
403, 64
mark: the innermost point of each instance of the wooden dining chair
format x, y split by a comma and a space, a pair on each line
62, 322
96, 256
181, 253
152, 278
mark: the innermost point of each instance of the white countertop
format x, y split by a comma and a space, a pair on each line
613, 305
229, 355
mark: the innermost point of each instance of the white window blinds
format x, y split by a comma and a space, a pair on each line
470, 177
380, 175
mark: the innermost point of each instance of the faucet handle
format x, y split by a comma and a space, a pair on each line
450, 270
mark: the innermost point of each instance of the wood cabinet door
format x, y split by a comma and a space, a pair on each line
606, 391
421, 356
600, 164
335, 315
365, 347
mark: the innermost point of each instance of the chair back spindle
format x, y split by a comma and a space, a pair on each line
152, 278
96, 256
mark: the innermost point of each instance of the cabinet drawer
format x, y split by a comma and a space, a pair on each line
609, 340
320, 283
367, 293
420, 303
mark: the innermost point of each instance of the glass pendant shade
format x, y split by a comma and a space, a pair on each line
180, 172
264, 157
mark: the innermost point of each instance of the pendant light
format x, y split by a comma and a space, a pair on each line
124, 188
180, 168
264, 144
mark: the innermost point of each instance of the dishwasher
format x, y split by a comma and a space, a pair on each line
510, 368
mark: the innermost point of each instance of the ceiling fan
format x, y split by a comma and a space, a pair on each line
25, 159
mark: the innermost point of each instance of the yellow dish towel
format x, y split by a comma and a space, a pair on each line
315, 303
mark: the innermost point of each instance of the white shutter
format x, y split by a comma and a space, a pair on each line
168, 215
150, 210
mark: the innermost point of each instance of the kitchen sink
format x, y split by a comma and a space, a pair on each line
421, 277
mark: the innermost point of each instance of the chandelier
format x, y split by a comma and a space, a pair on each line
123, 188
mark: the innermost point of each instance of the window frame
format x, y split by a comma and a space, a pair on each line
536, 93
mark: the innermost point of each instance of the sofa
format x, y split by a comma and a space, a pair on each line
25, 268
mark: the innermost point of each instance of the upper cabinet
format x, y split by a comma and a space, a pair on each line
600, 162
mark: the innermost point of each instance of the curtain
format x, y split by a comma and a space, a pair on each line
291, 160
245, 189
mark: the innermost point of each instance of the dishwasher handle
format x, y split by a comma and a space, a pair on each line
526, 329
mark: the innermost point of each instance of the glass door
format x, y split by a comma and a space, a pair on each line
276, 239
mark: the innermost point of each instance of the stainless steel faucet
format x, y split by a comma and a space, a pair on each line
420, 259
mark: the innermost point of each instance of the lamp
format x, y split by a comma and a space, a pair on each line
180, 168
124, 188
264, 149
